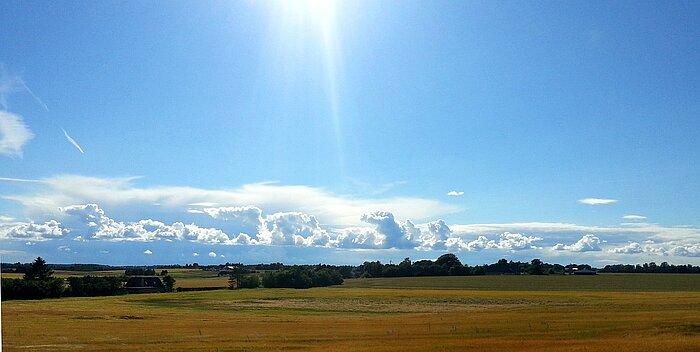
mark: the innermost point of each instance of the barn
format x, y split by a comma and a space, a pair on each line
144, 284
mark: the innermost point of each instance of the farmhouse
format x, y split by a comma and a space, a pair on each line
144, 284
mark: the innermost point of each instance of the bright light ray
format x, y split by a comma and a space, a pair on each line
296, 20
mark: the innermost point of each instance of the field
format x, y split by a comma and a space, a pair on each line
556, 313
186, 278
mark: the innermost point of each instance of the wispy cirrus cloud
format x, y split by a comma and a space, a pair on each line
597, 201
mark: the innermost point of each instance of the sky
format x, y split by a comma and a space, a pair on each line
323, 131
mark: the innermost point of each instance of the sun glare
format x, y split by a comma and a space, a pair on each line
295, 22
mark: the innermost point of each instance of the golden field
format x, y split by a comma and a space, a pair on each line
374, 315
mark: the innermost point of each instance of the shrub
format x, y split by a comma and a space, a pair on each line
32, 289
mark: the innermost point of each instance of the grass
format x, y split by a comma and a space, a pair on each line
402, 315
602, 282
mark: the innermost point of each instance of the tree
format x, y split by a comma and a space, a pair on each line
38, 270
536, 267
169, 282
234, 278
250, 281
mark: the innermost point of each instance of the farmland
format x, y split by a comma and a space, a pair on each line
186, 278
557, 313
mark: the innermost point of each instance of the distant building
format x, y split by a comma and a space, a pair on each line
585, 271
144, 284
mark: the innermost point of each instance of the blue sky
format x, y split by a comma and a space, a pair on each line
334, 131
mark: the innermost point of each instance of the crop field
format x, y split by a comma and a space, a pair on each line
417, 314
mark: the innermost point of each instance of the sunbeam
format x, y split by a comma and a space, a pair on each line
300, 25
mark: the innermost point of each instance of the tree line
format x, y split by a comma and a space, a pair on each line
38, 283
651, 267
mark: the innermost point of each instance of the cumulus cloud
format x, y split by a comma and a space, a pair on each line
455, 193
587, 243
195, 254
597, 201
434, 238
360, 237
634, 217
102, 227
212, 255
686, 251
506, 241
665, 249
395, 235
293, 228
24, 231
247, 214
14, 134
147, 252
630, 248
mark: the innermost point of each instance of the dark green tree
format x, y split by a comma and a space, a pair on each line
38, 270
169, 282
536, 267
250, 281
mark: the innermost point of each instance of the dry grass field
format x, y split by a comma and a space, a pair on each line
371, 315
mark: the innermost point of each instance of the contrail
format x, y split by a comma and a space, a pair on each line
72, 141
34, 95
11, 179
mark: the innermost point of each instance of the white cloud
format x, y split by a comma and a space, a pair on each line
64, 248
328, 208
360, 237
686, 251
506, 241
212, 255
634, 217
587, 243
32, 231
395, 235
597, 201
102, 227
630, 248
244, 239
517, 241
434, 238
14, 134
455, 193
6, 218
147, 252
195, 254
